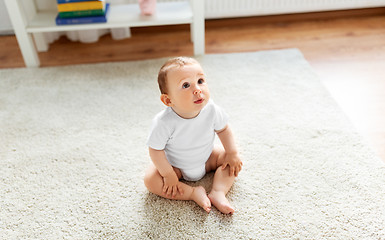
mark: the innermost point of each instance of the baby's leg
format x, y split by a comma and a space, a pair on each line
222, 181
154, 183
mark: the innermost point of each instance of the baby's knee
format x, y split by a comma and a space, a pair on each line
149, 178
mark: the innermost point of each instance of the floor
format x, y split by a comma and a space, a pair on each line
346, 49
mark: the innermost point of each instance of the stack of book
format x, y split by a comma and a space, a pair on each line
81, 11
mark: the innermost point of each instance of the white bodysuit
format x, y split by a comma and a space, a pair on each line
188, 143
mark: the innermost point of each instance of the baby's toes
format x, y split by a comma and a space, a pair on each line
207, 206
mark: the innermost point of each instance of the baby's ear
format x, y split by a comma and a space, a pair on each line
165, 99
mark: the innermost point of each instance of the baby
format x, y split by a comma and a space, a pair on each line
181, 141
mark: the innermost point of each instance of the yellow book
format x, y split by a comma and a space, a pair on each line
81, 6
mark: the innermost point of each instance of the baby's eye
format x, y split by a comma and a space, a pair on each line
200, 81
186, 85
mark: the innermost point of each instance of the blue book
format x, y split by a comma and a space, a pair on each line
72, 1
83, 20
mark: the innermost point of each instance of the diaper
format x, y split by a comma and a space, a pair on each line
194, 174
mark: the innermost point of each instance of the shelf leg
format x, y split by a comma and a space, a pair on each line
24, 39
198, 26
192, 32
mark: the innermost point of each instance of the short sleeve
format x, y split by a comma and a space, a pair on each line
221, 118
158, 136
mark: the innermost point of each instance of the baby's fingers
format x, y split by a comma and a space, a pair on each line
174, 191
165, 188
237, 170
169, 191
232, 171
180, 189
224, 165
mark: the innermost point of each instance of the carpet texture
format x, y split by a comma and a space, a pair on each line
73, 155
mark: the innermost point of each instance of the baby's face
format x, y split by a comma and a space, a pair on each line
187, 90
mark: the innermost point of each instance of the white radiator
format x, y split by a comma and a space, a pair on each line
243, 8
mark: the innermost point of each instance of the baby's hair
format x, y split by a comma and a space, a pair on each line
170, 64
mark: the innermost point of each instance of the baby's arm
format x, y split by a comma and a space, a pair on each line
171, 184
231, 157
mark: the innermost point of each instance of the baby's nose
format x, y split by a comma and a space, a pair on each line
197, 90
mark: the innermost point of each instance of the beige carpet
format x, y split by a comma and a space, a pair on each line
73, 155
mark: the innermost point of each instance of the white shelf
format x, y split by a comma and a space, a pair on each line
29, 23
127, 15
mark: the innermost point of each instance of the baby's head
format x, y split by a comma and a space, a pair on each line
172, 64
183, 86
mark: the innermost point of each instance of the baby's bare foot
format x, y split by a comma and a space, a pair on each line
200, 197
219, 200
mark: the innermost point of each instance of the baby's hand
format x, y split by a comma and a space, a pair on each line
171, 185
234, 162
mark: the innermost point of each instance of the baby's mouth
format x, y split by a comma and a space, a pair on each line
199, 101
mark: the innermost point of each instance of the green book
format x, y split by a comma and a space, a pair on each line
86, 13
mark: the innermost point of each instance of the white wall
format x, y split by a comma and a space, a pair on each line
5, 23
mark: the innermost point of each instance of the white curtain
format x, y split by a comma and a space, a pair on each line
88, 36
